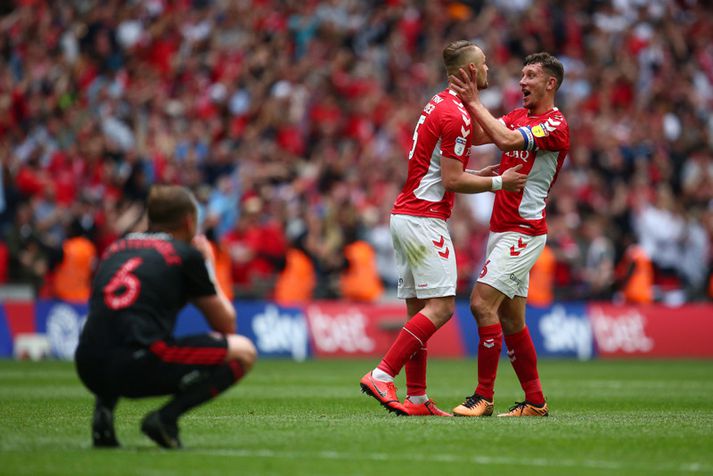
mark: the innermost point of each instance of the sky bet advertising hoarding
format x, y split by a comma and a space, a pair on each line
328, 329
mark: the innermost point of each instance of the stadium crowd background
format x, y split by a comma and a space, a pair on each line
291, 121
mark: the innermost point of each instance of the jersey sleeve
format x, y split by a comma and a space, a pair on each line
507, 119
456, 136
553, 134
526, 131
199, 282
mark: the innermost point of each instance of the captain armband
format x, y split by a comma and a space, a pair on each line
528, 137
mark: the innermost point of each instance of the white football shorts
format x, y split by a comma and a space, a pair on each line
425, 258
510, 257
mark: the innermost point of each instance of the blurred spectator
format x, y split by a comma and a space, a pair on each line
223, 265
4, 262
634, 274
309, 106
257, 248
360, 280
296, 282
598, 274
542, 277
660, 229
30, 260
73, 276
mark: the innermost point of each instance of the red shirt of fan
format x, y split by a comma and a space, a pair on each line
546, 146
443, 130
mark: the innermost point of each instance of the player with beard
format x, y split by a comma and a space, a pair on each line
424, 252
536, 137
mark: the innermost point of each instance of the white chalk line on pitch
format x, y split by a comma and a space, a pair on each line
451, 458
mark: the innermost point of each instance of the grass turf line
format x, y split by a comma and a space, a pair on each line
608, 417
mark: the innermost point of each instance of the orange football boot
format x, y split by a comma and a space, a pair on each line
384, 392
474, 406
427, 408
526, 409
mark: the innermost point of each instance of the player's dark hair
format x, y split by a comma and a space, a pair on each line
168, 205
549, 63
454, 55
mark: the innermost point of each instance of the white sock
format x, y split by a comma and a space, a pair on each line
381, 376
418, 399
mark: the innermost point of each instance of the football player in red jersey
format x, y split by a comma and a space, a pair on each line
535, 136
424, 251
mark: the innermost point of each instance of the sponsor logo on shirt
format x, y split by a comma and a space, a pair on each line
460, 146
540, 130
519, 154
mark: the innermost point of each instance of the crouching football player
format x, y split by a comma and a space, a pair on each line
127, 348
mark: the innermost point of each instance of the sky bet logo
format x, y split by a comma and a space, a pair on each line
278, 332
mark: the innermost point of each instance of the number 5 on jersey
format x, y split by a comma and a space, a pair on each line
421, 120
125, 282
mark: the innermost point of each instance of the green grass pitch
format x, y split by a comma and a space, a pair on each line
623, 417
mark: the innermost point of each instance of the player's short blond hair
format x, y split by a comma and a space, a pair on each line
455, 55
168, 206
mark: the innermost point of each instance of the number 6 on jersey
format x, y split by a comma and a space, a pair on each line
125, 281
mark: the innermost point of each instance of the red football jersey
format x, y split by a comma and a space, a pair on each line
546, 146
443, 130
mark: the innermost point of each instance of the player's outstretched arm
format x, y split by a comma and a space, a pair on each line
480, 137
455, 179
504, 138
489, 171
217, 309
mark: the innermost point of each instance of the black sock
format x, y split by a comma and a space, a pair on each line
204, 388
107, 402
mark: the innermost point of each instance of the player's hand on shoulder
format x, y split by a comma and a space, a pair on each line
201, 243
513, 181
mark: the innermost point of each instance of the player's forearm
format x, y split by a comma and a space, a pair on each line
219, 312
225, 319
480, 137
469, 183
504, 138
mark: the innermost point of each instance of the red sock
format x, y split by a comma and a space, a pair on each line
489, 347
416, 373
412, 337
523, 357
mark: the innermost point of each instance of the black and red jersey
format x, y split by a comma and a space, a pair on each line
142, 282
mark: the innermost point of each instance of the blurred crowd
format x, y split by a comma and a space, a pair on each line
291, 120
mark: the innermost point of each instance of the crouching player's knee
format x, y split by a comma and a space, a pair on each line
241, 349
